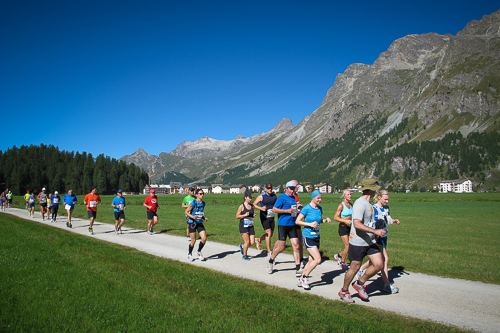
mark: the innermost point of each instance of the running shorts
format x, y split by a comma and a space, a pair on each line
310, 242
194, 227
357, 253
285, 231
268, 223
151, 214
119, 215
248, 230
344, 230
92, 214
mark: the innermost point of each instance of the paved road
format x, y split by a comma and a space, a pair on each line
462, 303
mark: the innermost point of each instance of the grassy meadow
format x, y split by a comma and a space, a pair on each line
55, 281
449, 235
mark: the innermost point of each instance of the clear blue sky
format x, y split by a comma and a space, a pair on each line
113, 76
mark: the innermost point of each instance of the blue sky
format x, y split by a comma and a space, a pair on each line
114, 76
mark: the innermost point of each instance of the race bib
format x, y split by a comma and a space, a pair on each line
31, 200
92, 203
315, 231
67, 207
199, 215
247, 222
56, 200
121, 206
294, 214
270, 213
43, 200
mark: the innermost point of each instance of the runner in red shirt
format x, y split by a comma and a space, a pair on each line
91, 200
151, 204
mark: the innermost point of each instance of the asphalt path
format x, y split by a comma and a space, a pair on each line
468, 304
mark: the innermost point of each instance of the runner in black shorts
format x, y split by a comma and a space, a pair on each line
264, 203
343, 216
196, 214
246, 214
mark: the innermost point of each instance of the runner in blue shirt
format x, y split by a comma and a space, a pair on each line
286, 207
311, 216
55, 199
119, 206
195, 212
69, 204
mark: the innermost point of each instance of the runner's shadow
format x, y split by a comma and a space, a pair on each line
164, 231
327, 278
375, 287
222, 254
262, 254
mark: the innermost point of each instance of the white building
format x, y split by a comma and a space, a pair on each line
458, 186
216, 189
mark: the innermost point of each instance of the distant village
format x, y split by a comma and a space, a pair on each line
445, 186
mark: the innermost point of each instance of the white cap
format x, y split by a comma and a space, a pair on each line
291, 184
56, 192
43, 189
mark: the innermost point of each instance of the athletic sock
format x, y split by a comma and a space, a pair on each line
191, 249
360, 283
297, 267
271, 261
200, 246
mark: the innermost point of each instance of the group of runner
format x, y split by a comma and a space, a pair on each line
362, 227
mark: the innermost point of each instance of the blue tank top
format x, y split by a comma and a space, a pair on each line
198, 211
346, 212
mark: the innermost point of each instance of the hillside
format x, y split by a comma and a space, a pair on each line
424, 92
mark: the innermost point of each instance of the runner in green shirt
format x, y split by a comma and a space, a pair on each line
185, 204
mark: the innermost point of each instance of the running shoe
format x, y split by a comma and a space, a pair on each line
299, 282
305, 283
120, 230
270, 267
338, 258
344, 266
188, 238
116, 232
51, 220
33, 216
245, 258
257, 244
148, 232
361, 289
389, 288
190, 257
91, 231
299, 272
151, 230
200, 256
71, 225
241, 249
67, 225
345, 296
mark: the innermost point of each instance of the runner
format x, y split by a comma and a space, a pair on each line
266, 201
55, 199
91, 200
69, 201
42, 199
286, 207
362, 242
246, 214
119, 206
31, 205
299, 232
187, 199
151, 204
312, 216
196, 213
49, 205
343, 216
26, 197
382, 219
3, 201
9, 199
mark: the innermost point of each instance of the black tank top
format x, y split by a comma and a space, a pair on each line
250, 211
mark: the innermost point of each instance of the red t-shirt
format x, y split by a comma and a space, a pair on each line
153, 202
92, 200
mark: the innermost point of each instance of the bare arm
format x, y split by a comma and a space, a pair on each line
360, 226
240, 216
257, 202
336, 217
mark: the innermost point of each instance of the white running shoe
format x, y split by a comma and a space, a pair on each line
200, 256
270, 267
190, 257
299, 282
389, 288
305, 283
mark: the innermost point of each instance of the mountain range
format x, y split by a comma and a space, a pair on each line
423, 89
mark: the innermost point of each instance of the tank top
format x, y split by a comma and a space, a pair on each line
346, 212
268, 201
247, 221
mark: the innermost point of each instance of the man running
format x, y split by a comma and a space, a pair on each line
9, 199
31, 205
185, 203
265, 203
151, 204
55, 199
69, 201
119, 206
26, 197
362, 242
91, 200
286, 207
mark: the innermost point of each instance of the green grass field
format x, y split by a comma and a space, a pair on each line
449, 235
56, 281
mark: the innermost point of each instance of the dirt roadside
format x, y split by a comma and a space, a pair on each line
468, 304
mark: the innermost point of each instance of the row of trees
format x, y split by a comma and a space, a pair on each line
33, 167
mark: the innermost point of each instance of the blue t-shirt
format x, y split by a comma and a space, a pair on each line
286, 202
198, 211
54, 200
117, 201
70, 200
312, 215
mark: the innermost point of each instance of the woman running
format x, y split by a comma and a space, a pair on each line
382, 219
246, 214
343, 217
195, 213
311, 217
69, 201
55, 199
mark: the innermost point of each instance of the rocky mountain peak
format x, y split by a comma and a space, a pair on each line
488, 26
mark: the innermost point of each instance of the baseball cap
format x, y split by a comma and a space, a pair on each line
56, 192
43, 189
248, 194
269, 185
192, 188
291, 184
152, 191
119, 191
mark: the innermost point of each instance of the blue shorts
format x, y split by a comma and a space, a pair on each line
382, 242
310, 242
